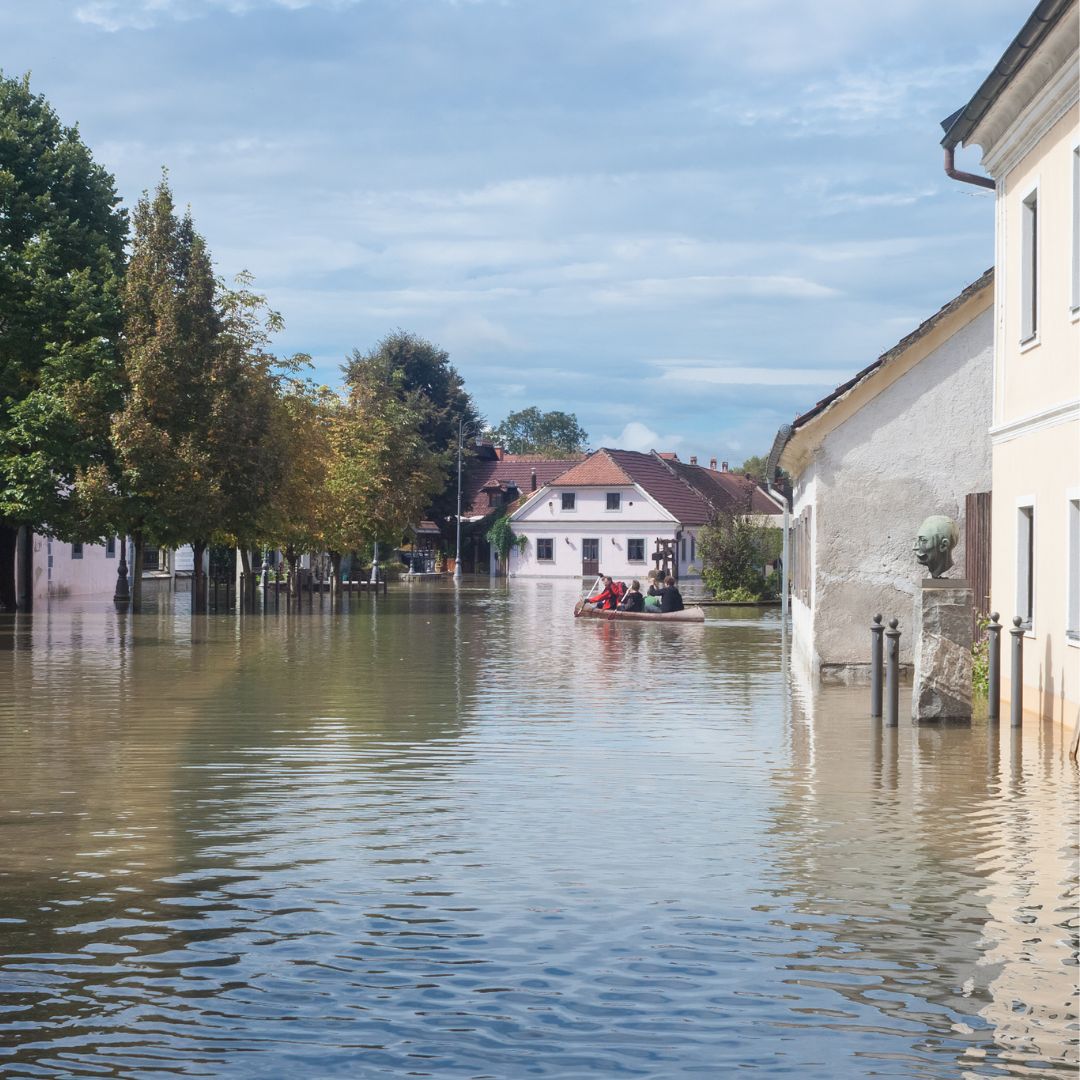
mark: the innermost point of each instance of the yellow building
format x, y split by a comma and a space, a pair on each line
1026, 120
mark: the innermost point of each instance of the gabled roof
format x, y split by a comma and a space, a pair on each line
624, 468
726, 491
512, 471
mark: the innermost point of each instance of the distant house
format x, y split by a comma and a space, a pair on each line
1026, 119
615, 511
906, 437
492, 481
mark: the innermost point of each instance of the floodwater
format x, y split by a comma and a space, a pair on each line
459, 834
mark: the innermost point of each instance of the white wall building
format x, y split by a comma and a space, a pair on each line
906, 438
607, 513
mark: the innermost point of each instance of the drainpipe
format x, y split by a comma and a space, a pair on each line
964, 177
783, 435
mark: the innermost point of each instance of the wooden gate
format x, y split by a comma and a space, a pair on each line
977, 551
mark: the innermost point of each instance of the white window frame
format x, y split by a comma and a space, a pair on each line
1030, 278
635, 540
1074, 284
572, 495
1072, 567
549, 540
607, 499
1026, 562
76, 551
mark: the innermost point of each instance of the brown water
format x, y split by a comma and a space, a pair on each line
457, 834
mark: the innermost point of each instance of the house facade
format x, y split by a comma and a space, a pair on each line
905, 438
1026, 120
617, 510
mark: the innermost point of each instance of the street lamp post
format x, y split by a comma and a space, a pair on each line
122, 595
457, 538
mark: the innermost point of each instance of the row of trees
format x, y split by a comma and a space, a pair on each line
139, 394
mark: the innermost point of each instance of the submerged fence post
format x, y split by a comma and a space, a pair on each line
1017, 711
876, 652
892, 674
993, 668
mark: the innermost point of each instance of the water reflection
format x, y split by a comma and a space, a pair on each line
451, 832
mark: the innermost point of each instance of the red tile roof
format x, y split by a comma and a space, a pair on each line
726, 491
514, 470
599, 469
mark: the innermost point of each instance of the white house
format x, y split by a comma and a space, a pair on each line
905, 438
613, 511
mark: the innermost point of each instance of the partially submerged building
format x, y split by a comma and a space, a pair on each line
904, 438
1026, 119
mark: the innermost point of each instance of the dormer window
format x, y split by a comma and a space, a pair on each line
569, 500
614, 500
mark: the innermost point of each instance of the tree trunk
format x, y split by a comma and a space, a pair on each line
248, 602
8, 538
139, 542
335, 578
198, 578
292, 557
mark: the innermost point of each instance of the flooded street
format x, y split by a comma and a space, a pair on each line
462, 835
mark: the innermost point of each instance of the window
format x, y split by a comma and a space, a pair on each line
1025, 565
635, 550
545, 550
1075, 301
1029, 270
110, 548
76, 551
614, 500
693, 547
682, 550
1072, 612
569, 499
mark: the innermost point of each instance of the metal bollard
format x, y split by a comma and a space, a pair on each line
876, 646
993, 668
892, 674
1017, 713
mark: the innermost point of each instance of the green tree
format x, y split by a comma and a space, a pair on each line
421, 377
530, 431
61, 263
734, 550
166, 484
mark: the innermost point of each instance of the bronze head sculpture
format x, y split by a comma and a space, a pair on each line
934, 544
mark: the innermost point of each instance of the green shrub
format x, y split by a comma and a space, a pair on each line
736, 596
734, 552
980, 660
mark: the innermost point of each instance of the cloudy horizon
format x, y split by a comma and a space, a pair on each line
683, 222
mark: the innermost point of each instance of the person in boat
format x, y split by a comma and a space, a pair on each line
606, 599
652, 596
619, 588
670, 597
633, 600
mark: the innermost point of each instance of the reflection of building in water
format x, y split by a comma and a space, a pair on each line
941, 870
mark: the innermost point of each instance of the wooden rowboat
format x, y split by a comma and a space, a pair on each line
690, 614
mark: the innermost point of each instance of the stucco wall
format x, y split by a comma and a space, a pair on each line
56, 574
918, 448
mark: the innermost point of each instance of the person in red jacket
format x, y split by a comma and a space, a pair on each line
606, 599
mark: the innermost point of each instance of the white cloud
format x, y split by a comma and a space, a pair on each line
707, 286
698, 374
468, 331
638, 436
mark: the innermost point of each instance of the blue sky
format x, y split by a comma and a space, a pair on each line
683, 220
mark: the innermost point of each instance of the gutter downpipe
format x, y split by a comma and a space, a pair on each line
964, 177
783, 435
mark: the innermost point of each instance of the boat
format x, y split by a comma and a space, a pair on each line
689, 614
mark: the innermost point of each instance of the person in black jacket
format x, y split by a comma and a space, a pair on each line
670, 597
633, 600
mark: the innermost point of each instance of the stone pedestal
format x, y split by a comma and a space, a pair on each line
943, 636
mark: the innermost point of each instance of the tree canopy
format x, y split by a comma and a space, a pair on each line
554, 434
61, 259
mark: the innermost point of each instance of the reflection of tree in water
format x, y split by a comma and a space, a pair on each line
913, 868
155, 770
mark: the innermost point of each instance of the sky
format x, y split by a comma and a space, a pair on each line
684, 221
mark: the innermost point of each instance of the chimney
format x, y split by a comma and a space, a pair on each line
693, 459
532, 480
712, 464
499, 453
723, 466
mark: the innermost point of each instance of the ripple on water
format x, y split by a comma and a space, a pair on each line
456, 834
